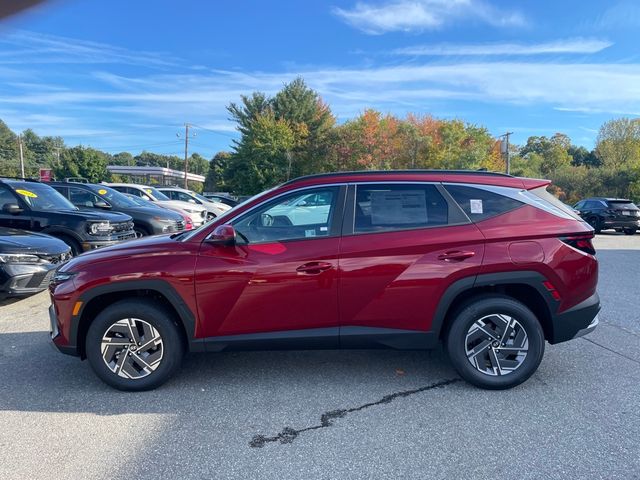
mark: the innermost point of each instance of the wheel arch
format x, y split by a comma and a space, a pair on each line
525, 286
99, 298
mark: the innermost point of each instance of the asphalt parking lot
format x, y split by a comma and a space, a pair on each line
349, 414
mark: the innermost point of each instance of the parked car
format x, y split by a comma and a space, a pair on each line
147, 220
221, 198
214, 209
602, 213
188, 224
28, 260
197, 213
491, 265
37, 207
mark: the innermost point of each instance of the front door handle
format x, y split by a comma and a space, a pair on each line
314, 268
456, 255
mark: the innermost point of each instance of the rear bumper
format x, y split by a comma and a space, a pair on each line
632, 222
577, 321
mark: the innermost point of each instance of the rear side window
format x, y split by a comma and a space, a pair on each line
481, 204
383, 208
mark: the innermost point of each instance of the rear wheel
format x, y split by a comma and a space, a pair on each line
629, 231
134, 345
595, 223
495, 342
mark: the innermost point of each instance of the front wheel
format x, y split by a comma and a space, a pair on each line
134, 345
629, 231
495, 342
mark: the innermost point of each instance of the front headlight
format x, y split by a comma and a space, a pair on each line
60, 277
18, 258
100, 228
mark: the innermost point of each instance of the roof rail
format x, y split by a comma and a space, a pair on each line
392, 172
6, 177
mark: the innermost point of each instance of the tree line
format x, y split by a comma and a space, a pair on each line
294, 133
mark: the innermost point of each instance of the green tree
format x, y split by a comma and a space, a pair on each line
214, 181
83, 162
618, 143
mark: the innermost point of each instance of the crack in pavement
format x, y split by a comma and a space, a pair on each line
610, 350
288, 434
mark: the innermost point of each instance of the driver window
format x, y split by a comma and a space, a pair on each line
6, 197
297, 216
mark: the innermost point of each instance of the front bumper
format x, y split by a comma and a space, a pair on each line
54, 332
94, 244
21, 280
577, 321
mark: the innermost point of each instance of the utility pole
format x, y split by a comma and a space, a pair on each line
186, 154
21, 155
504, 147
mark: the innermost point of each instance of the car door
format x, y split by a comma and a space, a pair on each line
280, 276
402, 247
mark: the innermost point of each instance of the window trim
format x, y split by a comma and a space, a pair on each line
455, 212
335, 227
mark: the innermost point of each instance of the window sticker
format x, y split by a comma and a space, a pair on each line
476, 206
324, 229
102, 191
148, 190
27, 193
398, 207
309, 233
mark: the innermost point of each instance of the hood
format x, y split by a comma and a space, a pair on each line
144, 245
93, 215
181, 205
20, 241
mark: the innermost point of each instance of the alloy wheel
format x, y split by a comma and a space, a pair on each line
496, 344
132, 348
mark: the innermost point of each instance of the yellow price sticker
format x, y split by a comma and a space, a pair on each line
102, 191
27, 193
148, 190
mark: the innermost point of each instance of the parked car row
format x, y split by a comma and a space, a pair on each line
44, 224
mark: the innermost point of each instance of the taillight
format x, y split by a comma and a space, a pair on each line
581, 242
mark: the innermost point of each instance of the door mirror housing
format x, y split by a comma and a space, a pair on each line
12, 209
223, 235
102, 204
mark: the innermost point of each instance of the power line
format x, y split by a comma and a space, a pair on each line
228, 135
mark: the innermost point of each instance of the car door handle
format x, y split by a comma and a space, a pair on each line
313, 268
455, 255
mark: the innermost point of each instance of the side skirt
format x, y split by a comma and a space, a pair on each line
320, 339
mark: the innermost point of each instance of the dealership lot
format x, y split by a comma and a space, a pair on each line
351, 414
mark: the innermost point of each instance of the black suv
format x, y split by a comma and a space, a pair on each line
28, 261
602, 213
148, 220
34, 206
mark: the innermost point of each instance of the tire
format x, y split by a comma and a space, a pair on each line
210, 216
153, 323
140, 231
76, 249
629, 231
464, 337
595, 223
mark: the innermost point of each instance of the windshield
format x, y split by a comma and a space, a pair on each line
155, 193
41, 197
115, 198
201, 198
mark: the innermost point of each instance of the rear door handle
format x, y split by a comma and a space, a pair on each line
456, 255
314, 268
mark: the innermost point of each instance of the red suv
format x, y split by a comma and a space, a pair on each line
490, 264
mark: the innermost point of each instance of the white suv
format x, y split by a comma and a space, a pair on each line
197, 213
214, 209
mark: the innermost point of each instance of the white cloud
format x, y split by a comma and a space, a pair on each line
419, 15
571, 45
40, 48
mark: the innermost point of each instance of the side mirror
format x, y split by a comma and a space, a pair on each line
102, 204
223, 235
12, 209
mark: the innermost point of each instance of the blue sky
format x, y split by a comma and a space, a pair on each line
127, 75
